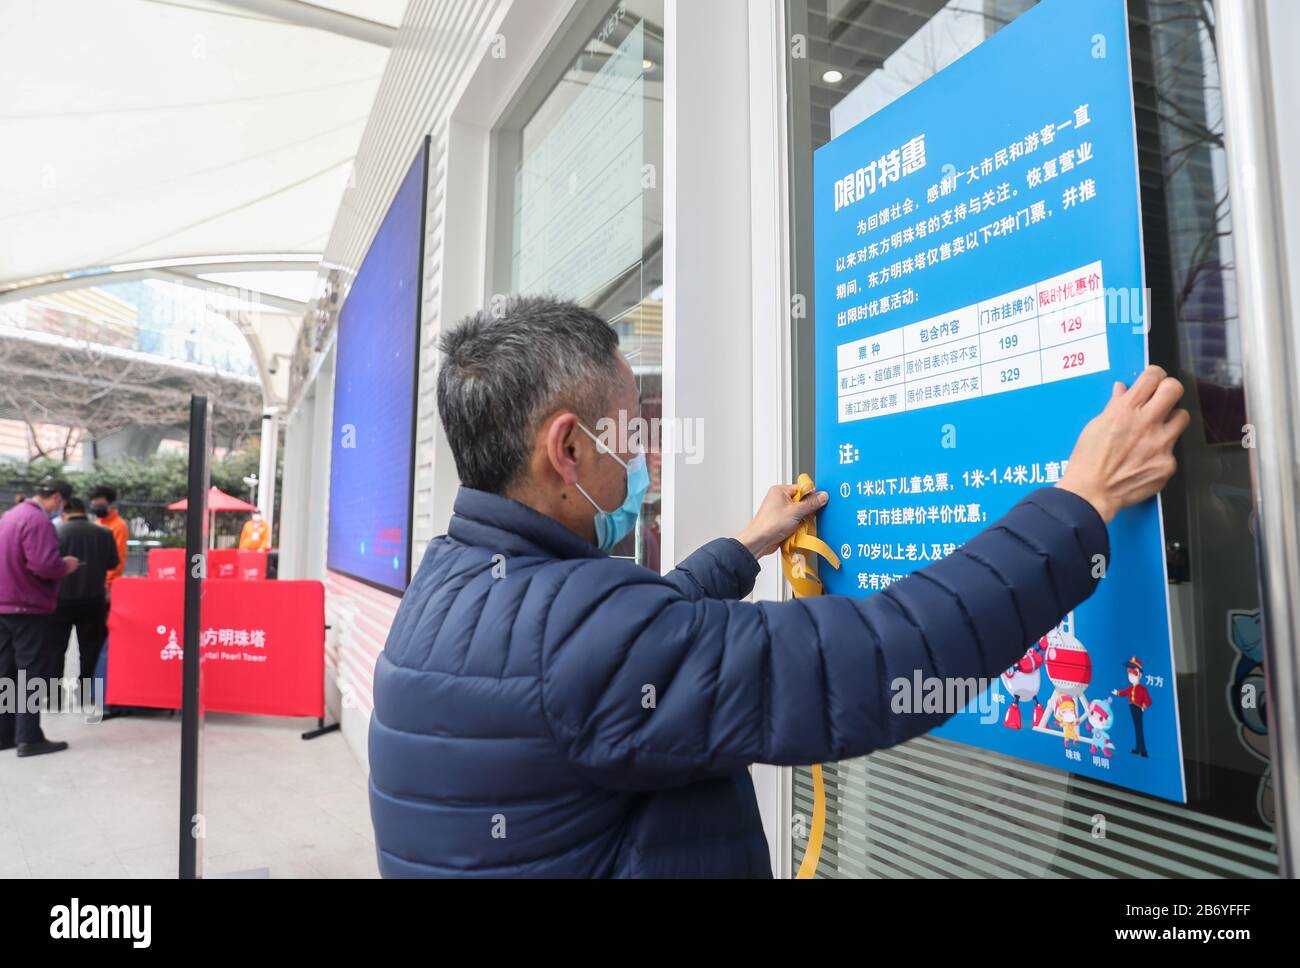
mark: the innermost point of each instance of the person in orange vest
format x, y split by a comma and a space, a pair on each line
103, 505
256, 534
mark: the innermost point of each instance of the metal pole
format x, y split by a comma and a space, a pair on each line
1269, 353
196, 545
266, 467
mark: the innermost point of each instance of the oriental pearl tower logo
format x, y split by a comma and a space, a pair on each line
1069, 668
172, 650
1022, 682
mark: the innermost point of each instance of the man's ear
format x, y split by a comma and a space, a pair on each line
562, 446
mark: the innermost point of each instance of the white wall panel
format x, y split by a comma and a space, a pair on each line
439, 47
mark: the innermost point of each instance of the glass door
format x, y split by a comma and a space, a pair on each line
935, 808
579, 201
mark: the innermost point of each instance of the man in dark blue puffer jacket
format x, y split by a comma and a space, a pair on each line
543, 709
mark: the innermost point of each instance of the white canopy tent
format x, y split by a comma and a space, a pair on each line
188, 140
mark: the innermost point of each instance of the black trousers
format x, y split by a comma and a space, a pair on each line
1141, 744
89, 616
22, 648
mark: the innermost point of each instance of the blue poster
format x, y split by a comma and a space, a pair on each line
979, 289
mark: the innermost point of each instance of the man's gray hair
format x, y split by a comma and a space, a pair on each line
506, 369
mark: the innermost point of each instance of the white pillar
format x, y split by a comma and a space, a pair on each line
266, 467
707, 312
725, 311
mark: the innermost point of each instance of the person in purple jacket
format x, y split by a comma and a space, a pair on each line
30, 571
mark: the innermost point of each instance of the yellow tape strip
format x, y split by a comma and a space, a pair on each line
794, 562
813, 854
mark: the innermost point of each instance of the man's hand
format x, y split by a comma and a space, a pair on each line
70, 564
1126, 453
777, 517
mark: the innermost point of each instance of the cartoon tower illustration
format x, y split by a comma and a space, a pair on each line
1069, 668
1022, 682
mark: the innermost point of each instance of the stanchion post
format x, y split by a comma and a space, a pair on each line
196, 569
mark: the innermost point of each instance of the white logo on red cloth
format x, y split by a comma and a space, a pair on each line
172, 650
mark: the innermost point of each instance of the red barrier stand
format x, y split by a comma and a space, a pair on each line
263, 645
251, 565
166, 562
223, 563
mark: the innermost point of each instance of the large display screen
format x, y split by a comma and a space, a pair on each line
373, 443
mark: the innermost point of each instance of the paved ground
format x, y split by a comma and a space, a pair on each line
108, 806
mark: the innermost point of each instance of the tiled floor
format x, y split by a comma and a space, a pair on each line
108, 806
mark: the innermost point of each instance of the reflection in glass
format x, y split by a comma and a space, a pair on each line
587, 217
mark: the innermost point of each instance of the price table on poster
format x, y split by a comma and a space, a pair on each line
1044, 332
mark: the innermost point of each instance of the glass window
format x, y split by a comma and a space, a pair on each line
936, 808
578, 161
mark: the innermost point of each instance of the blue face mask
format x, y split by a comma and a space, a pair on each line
613, 526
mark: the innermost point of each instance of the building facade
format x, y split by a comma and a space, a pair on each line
653, 158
